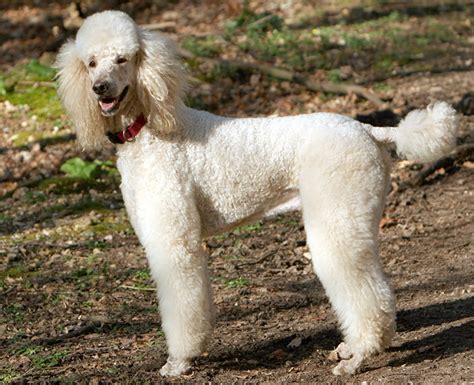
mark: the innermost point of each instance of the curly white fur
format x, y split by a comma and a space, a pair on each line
190, 174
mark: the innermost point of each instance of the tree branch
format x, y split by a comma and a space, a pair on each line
459, 153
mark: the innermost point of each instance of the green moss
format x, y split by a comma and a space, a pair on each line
109, 226
43, 101
33, 197
85, 204
22, 138
21, 86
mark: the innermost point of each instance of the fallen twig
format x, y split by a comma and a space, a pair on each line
282, 74
461, 152
259, 260
86, 329
137, 288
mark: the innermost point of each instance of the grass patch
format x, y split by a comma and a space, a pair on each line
142, 276
266, 37
142, 279
334, 75
97, 244
15, 311
48, 360
236, 283
28, 350
382, 87
79, 168
13, 272
82, 272
63, 185
386, 43
207, 46
8, 375
246, 229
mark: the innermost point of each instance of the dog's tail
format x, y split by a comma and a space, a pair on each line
424, 135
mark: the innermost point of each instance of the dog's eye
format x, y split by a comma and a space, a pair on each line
92, 63
121, 60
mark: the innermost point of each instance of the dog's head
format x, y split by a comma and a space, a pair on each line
115, 68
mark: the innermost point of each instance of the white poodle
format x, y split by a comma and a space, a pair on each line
188, 174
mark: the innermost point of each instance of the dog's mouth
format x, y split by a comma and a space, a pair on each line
110, 105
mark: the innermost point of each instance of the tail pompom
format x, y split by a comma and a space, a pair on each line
427, 135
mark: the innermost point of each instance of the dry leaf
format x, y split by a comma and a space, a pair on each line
295, 343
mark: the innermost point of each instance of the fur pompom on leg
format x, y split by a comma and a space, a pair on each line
342, 352
349, 366
174, 368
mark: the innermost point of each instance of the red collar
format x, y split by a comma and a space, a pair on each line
129, 133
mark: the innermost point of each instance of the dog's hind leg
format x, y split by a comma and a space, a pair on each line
343, 195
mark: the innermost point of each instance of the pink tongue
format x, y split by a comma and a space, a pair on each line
107, 105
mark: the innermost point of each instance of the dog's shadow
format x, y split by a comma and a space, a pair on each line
445, 343
274, 352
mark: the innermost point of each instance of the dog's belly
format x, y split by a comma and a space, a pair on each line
216, 219
293, 204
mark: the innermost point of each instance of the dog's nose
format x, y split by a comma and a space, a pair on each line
100, 88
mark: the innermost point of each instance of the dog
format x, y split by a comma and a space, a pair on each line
188, 174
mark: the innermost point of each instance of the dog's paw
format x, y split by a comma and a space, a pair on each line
350, 365
174, 368
342, 352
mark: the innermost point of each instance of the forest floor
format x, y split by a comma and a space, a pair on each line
77, 301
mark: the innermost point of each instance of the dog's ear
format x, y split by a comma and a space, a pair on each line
75, 92
161, 80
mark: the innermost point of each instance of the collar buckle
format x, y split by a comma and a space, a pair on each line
129, 133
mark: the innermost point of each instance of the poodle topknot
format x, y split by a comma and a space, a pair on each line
187, 174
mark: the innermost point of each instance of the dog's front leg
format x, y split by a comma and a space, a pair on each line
170, 232
185, 305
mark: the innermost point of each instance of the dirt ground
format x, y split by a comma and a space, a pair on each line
77, 301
